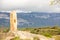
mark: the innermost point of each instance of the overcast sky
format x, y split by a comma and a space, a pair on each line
28, 5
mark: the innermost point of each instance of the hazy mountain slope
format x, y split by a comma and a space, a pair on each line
33, 19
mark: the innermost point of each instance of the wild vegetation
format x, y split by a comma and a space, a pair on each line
46, 31
36, 38
15, 38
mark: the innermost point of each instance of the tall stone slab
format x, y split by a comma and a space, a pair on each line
13, 21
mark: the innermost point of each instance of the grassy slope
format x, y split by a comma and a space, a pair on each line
46, 31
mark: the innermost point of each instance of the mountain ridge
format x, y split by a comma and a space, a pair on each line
33, 19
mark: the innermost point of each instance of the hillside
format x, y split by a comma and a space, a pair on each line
33, 19
46, 33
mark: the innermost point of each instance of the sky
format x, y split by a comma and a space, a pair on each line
29, 5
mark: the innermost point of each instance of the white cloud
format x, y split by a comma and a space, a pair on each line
18, 11
4, 16
6, 11
28, 5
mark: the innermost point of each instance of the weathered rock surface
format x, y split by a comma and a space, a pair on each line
26, 35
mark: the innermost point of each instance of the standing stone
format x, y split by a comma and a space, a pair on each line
13, 21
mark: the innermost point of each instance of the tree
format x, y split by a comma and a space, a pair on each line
54, 2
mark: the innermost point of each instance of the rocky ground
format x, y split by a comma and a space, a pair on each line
26, 35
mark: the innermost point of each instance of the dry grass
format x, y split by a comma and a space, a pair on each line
57, 37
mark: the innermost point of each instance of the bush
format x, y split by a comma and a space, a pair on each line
6, 30
47, 35
16, 38
25, 39
36, 38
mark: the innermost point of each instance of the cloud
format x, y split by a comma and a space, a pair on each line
4, 16
43, 16
28, 5
6, 11
18, 11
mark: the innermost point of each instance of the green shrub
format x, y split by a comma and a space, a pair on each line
16, 38
26, 39
47, 35
36, 38
6, 30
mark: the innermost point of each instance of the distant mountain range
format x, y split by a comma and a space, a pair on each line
32, 19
